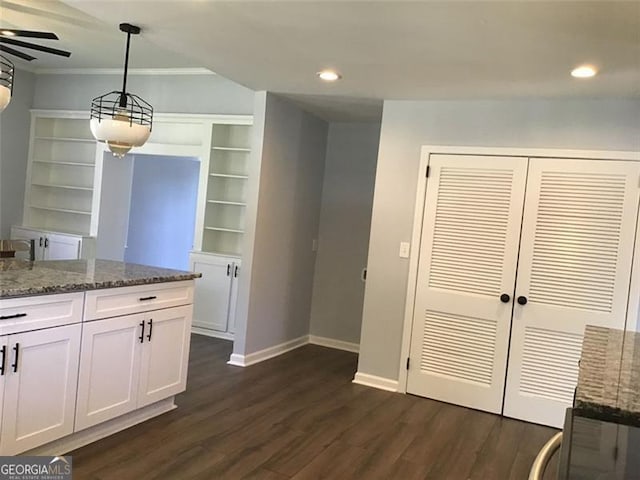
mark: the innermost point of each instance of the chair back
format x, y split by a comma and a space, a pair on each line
18, 249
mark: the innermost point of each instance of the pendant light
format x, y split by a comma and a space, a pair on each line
6, 81
122, 120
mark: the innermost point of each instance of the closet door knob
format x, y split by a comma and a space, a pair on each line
522, 300
504, 298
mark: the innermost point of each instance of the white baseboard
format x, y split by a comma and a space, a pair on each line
333, 343
97, 432
211, 333
376, 382
262, 355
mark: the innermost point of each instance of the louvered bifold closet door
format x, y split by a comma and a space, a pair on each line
468, 256
574, 269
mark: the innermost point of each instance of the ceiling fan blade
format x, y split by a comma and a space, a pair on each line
33, 46
16, 53
31, 33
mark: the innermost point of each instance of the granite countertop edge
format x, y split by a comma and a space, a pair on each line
81, 287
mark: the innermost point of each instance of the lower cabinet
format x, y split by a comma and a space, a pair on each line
131, 361
55, 245
216, 292
38, 379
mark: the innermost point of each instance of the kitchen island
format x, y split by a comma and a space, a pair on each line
88, 348
602, 431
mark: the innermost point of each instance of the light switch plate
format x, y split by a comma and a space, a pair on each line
404, 249
314, 245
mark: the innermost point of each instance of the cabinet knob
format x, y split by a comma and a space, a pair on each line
504, 298
522, 300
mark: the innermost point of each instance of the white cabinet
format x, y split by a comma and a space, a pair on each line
110, 368
56, 246
131, 361
216, 292
40, 374
61, 173
165, 354
223, 197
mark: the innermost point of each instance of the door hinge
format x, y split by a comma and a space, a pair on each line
428, 171
408, 362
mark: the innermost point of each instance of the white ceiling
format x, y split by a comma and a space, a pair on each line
384, 49
93, 43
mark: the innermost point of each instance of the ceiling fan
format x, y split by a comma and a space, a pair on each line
8, 42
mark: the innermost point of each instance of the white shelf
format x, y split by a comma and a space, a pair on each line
229, 175
232, 149
61, 210
227, 202
219, 229
67, 139
73, 164
66, 187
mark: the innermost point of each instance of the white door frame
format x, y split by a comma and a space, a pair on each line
425, 152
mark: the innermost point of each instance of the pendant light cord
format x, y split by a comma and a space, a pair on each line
123, 96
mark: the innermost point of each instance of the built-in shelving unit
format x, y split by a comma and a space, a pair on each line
61, 173
226, 190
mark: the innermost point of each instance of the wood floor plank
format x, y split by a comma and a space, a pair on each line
300, 416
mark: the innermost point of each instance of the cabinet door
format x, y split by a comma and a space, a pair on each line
213, 290
574, 269
41, 375
26, 234
62, 247
233, 300
109, 369
468, 255
165, 354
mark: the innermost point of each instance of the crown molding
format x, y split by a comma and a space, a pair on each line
118, 71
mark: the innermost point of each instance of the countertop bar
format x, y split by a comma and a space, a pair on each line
19, 278
609, 380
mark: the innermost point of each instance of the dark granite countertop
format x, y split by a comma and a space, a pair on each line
19, 278
609, 380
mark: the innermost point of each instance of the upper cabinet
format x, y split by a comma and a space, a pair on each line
61, 173
64, 181
225, 202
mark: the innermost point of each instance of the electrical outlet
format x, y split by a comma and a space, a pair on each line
314, 245
404, 249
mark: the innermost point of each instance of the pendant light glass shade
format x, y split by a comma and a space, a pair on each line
120, 119
6, 81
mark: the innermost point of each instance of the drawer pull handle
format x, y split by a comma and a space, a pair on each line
141, 337
4, 359
16, 348
16, 315
150, 329
143, 299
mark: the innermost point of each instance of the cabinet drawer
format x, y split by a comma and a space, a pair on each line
44, 311
114, 302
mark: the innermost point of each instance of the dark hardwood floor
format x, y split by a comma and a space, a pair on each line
299, 416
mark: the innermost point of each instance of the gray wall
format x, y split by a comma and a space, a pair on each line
345, 221
274, 297
167, 93
15, 121
406, 126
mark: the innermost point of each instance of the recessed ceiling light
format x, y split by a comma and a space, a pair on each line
7, 33
584, 71
329, 75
